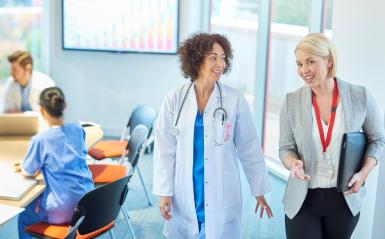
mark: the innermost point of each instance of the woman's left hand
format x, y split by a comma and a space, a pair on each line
263, 205
356, 182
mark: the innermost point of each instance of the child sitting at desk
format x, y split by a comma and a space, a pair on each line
59, 154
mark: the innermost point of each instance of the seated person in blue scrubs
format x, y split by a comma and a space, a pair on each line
59, 154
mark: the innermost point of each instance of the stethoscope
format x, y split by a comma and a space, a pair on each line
219, 110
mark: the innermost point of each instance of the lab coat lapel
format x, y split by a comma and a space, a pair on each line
189, 117
215, 99
189, 113
186, 136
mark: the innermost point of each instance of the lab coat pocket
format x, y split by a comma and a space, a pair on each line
228, 131
222, 132
219, 132
231, 189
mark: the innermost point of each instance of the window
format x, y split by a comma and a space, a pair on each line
235, 9
238, 20
294, 12
291, 22
21, 29
328, 17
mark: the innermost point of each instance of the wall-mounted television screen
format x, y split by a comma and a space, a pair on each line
149, 26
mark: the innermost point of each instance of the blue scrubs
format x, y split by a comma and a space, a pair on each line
198, 169
59, 154
25, 106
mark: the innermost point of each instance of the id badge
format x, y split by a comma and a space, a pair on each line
325, 168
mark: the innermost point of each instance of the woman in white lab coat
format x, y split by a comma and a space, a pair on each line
204, 127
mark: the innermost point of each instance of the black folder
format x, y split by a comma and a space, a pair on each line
353, 149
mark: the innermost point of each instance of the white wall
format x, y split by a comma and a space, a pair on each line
359, 35
104, 87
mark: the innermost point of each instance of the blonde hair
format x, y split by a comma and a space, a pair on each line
318, 44
22, 57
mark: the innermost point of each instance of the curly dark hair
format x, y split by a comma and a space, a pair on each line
194, 49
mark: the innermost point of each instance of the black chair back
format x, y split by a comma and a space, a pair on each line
144, 115
99, 207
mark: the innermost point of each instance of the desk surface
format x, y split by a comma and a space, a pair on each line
13, 149
93, 135
8, 212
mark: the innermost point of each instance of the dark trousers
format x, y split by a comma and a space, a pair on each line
323, 215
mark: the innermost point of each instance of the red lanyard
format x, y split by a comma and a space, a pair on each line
325, 143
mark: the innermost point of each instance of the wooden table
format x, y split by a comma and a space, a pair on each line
13, 149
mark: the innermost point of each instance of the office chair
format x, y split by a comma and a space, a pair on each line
144, 115
94, 215
105, 173
141, 115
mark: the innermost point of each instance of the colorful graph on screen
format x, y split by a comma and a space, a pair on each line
121, 25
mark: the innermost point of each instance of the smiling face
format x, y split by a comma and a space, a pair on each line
214, 64
311, 68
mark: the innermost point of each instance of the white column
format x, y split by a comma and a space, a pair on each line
359, 35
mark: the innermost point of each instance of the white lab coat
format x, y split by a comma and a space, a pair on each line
12, 92
173, 164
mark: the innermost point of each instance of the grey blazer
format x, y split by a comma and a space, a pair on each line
296, 124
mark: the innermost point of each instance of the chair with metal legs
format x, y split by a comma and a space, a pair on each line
106, 173
141, 115
94, 215
144, 115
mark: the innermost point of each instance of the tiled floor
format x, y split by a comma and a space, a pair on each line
148, 223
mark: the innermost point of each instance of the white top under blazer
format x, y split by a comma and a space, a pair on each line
332, 151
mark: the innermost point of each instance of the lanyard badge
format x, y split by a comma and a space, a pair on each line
326, 167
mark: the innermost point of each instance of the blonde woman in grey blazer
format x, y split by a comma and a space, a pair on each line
313, 207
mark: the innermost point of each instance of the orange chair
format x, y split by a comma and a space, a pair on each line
94, 215
141, 115
144, 115
106, 173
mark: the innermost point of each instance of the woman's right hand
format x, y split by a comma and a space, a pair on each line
297, 171
165, 207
